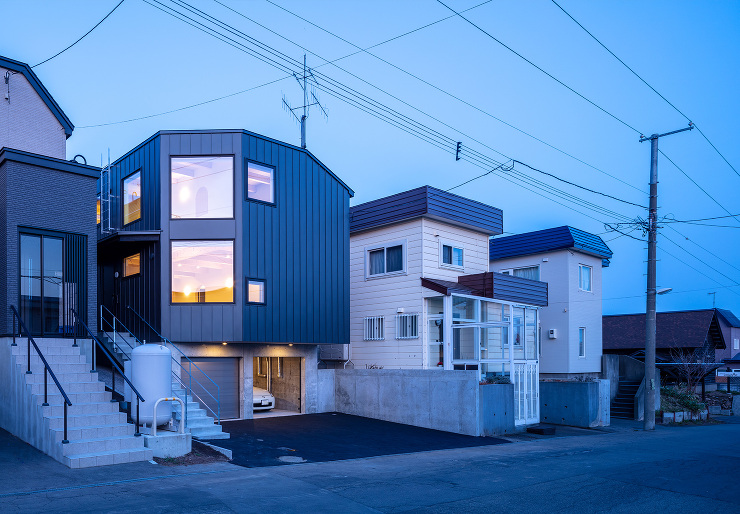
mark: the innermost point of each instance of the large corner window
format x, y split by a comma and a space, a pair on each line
584, 277
132, 198
260, 183
385, 260
451, 256
132, 265
202, 187
202, 271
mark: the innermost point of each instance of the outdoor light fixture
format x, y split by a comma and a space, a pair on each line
664, 290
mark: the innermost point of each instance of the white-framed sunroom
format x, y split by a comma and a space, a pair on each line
500, 339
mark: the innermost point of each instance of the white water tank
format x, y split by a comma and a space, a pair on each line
151, 374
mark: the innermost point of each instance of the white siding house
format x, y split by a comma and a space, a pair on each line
570, 261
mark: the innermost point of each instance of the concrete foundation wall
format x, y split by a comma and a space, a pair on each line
610, 372
452, 401
578, 404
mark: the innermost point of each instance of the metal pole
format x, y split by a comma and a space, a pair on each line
29, 356
113, 386
46, 389
137, 433
65, 440
14, 343
649, 414
94, 354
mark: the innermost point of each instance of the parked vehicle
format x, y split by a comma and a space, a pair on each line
263, 400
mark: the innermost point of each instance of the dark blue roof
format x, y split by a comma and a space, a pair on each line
548, 240
25, 69
428, 202
729, 317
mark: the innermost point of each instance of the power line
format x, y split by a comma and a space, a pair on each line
451, 95
542, 70
648, 85
81, 38
370, 106
674, 220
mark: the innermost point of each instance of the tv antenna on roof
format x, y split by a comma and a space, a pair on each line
309, 100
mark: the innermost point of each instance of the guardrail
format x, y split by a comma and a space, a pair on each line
114, 366
47, 368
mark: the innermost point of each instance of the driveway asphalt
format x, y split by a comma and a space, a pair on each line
674, 468
332, 436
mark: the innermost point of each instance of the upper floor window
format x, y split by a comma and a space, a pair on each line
530, 272
451, 256
385, 260
584, 277
202, 187
202, 271
260, 183
132, 198
132, 265
255, 291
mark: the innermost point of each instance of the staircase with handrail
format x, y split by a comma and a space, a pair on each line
196, 416
76, 422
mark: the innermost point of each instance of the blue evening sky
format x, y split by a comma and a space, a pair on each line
141, 61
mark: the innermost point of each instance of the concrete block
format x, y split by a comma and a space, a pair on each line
725, 412
168, 444
714, 409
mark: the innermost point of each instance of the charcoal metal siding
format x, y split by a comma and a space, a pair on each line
431, 202
517, 289
300, 247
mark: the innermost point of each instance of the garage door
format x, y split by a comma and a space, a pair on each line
224, 371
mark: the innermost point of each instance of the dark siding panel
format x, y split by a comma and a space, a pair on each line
517, 289
557, 238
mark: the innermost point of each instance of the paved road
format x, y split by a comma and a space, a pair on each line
686, 469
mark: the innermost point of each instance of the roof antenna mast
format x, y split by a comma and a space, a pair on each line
309, 99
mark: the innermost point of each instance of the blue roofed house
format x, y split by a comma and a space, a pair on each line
422, 296
570, 261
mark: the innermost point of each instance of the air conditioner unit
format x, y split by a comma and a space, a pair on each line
552, 333
334, 352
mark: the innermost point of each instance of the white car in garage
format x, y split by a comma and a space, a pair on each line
262, 399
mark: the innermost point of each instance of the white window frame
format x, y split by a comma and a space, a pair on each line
591, 281
405, 325
442, 264
581, 330
510, 271
384, 246
374, 328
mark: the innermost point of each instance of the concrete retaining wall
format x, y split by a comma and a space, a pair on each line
578, 404
452, 401
610, 372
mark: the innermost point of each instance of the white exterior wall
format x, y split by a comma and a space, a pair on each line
384, 296
568, 309
26, 123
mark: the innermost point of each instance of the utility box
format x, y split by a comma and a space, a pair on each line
552, 333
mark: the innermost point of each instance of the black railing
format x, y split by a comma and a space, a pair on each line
114, 366
47, 369
189, 388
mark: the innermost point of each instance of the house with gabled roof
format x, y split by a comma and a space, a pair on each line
570, 260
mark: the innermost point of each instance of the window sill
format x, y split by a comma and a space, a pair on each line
386, 275
452, 267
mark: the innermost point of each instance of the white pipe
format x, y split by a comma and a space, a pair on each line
182, 407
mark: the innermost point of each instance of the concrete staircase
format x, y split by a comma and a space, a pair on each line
199, 423
98, 433
623, 406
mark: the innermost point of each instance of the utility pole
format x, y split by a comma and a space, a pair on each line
650, 316
303, 82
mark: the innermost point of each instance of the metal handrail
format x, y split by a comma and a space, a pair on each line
97, 341
47, 368
218, 388
115, 333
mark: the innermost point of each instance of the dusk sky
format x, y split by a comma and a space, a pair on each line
141, 62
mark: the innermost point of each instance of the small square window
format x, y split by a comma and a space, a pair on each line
255, 291
374, 328
132, 265
407, 326
260, 183
452, 256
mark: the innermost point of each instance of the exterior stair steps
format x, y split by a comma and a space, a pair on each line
623, 405
98, 432
199, 423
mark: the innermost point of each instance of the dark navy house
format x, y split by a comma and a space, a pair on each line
235, 247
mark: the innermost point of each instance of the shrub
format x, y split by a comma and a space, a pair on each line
674, 399
496, 379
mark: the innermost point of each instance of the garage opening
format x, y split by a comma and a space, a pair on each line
282, 379
223, 371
